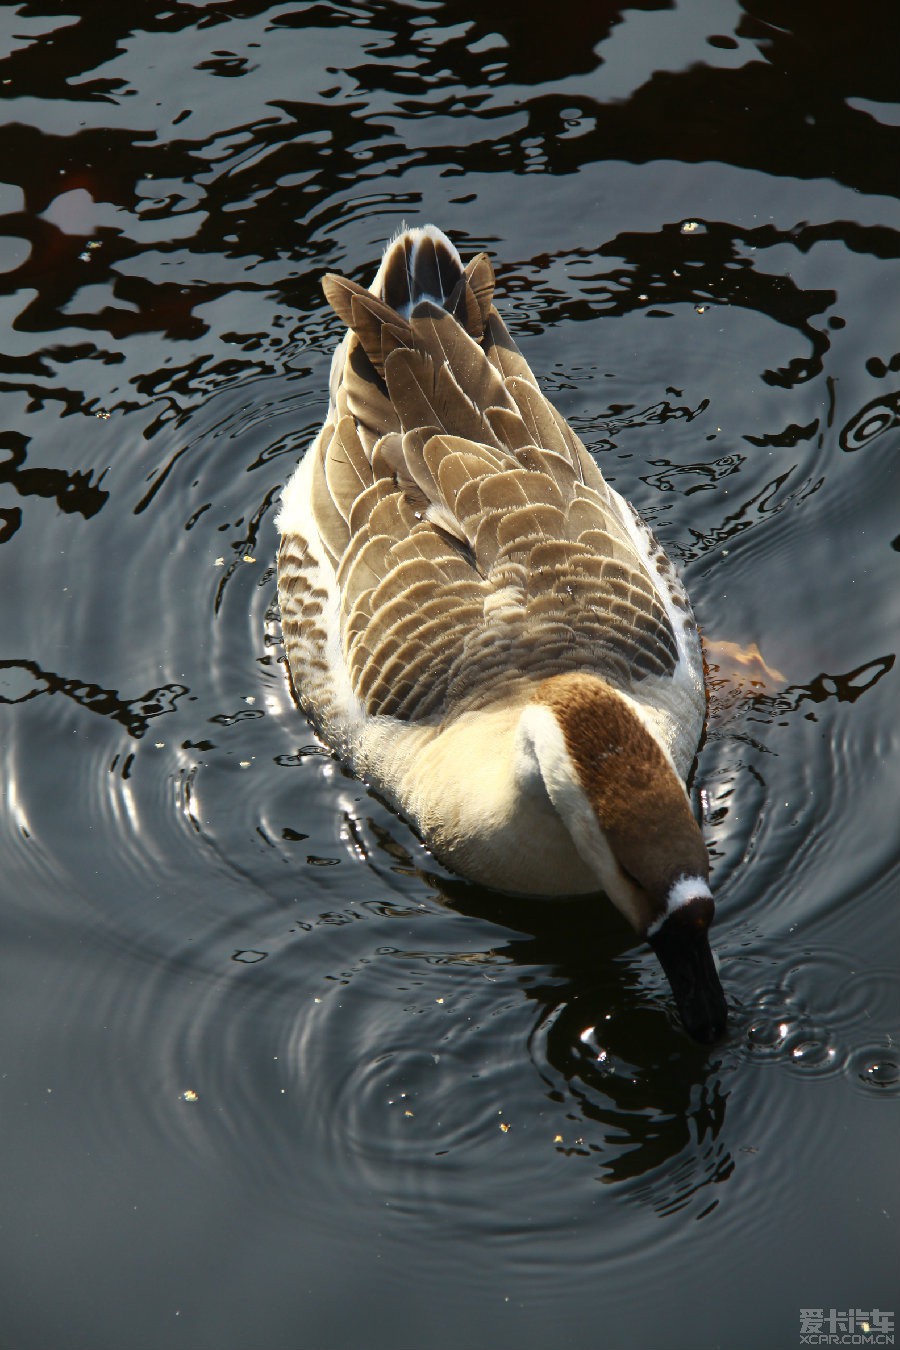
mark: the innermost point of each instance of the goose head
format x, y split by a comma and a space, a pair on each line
621, 800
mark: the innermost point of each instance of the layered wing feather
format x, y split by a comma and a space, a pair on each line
474, 542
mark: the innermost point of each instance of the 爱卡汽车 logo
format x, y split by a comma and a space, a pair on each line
851, 1326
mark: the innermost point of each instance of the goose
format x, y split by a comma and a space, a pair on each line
483, 630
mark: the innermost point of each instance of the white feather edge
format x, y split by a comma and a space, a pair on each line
541, 750
684, 892
295, 517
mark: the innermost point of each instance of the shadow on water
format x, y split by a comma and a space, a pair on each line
607, 1042
647, 1102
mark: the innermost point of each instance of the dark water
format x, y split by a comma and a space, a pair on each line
267, 1077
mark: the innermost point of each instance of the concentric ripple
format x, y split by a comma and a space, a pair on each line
824, 1015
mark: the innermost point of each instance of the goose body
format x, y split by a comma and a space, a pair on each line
483, 629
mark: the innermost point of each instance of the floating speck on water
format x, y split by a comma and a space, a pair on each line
189, 1096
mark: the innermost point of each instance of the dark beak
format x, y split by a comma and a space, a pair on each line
682, 946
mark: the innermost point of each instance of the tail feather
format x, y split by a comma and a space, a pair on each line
418, 265
420, 269
379, 327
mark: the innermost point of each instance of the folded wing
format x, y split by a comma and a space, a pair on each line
474, 540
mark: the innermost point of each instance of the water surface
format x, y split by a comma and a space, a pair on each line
268, 1075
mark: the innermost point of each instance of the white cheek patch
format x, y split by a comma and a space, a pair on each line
685, 891
542, 757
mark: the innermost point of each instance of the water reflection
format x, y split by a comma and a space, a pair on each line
635, 1096
733, 693
659, 1109
24, 680
877, 417
73, 491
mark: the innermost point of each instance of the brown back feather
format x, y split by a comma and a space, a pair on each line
475, 541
